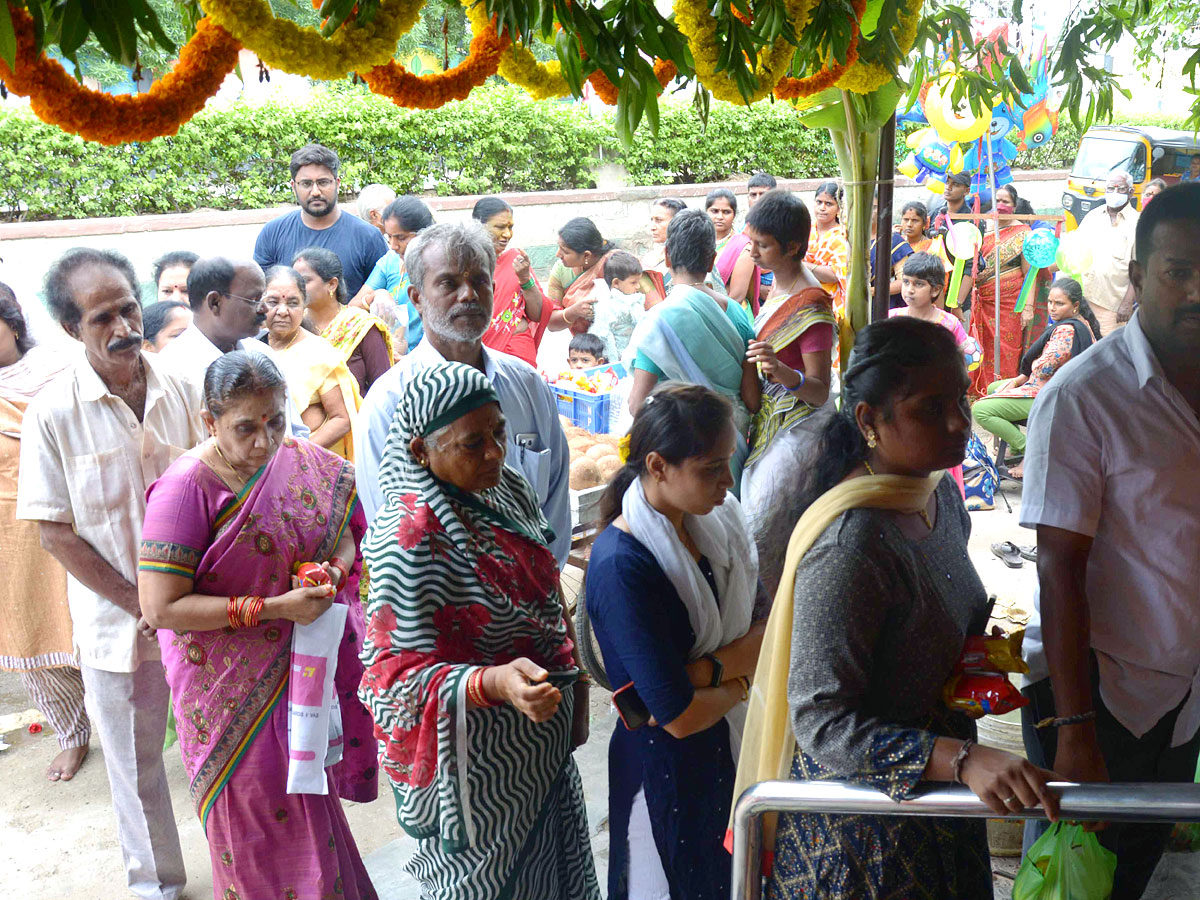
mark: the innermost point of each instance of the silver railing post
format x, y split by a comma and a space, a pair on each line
1153, 802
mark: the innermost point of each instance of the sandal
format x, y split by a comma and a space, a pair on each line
1029, 553
1008, 553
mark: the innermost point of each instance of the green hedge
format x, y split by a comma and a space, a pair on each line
235, 157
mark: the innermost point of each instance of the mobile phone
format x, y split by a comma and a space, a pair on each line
528, 440
630, 707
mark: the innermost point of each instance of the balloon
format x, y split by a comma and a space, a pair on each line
950, 123
1074, 256
931, 160
963, 239
1041, 248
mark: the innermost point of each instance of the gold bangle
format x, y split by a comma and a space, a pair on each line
745, 687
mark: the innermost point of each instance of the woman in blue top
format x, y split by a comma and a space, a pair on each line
672, 595
697, 335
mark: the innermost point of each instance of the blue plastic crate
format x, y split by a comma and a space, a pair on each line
591, 412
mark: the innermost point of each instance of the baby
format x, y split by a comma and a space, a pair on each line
620, 306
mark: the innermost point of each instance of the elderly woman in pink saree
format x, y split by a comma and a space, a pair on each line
225, 526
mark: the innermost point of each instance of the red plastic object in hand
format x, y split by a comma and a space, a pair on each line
312, 575
989, 694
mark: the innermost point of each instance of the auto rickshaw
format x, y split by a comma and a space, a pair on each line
1145, 152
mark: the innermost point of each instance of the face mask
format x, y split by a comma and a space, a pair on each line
1115, 199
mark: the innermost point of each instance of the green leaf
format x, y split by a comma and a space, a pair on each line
73, 29
8, 38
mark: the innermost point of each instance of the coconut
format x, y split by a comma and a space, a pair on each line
598, 450
585, 474
609, 466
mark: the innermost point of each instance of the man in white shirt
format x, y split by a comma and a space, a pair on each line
95, 439
1108, 231
451, 271
1111, 486
228, 313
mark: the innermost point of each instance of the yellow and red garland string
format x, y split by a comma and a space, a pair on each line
790, 88
280, 44
664, 71
404, 88
58, 99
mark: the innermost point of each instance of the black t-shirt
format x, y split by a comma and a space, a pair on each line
358, 245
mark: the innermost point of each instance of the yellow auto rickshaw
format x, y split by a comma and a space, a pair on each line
1145, 152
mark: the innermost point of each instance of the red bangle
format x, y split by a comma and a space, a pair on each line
341, 566
231, 612
475, 691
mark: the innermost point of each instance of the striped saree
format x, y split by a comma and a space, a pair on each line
460, 581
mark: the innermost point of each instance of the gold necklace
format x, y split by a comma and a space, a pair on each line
920, 512
217, 447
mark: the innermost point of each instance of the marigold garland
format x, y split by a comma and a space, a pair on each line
794, 88
664, 71
356, 46
404, 88
58, 99
864, 77
542, 81
700, 28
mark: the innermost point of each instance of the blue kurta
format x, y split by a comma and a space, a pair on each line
643, 631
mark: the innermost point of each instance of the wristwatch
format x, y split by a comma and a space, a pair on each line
718, 669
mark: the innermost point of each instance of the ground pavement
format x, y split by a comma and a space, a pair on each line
58, 841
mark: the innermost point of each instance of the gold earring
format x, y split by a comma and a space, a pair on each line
871, 440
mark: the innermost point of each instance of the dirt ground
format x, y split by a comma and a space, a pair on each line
58, 841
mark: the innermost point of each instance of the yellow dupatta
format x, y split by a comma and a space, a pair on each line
346, 331
768, 742
313, 367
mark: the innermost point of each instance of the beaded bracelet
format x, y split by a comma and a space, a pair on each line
960, 760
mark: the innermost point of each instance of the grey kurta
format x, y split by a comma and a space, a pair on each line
879, 624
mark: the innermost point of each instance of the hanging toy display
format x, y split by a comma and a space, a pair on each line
963, 241
931, 160
1040, 249
953, 122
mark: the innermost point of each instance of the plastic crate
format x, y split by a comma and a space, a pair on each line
591, 412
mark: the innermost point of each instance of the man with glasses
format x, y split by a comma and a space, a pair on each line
228, 314
1108, 231
319, 222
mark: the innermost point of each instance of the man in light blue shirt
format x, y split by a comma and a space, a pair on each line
450, 267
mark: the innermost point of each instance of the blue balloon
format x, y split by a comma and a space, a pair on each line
1040, 248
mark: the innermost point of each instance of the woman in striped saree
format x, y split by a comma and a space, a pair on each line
471, 673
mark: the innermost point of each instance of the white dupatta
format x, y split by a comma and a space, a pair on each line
723, 539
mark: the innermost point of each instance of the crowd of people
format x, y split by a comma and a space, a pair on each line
780, 586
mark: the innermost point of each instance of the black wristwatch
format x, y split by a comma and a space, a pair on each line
718, 669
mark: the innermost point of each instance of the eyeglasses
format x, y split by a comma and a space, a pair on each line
307, 184
276, 302
254, 303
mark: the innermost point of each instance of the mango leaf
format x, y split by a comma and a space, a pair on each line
8, 38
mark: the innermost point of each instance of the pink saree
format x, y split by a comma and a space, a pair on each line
229, 688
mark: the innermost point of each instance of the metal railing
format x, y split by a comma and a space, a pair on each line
1079, 802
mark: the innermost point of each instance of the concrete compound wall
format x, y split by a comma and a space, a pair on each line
28, 248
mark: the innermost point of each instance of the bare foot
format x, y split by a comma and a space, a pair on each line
66, 764
1017, 471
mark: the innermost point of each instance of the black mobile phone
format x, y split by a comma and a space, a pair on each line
630, 707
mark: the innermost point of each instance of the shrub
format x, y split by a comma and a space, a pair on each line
236, 156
